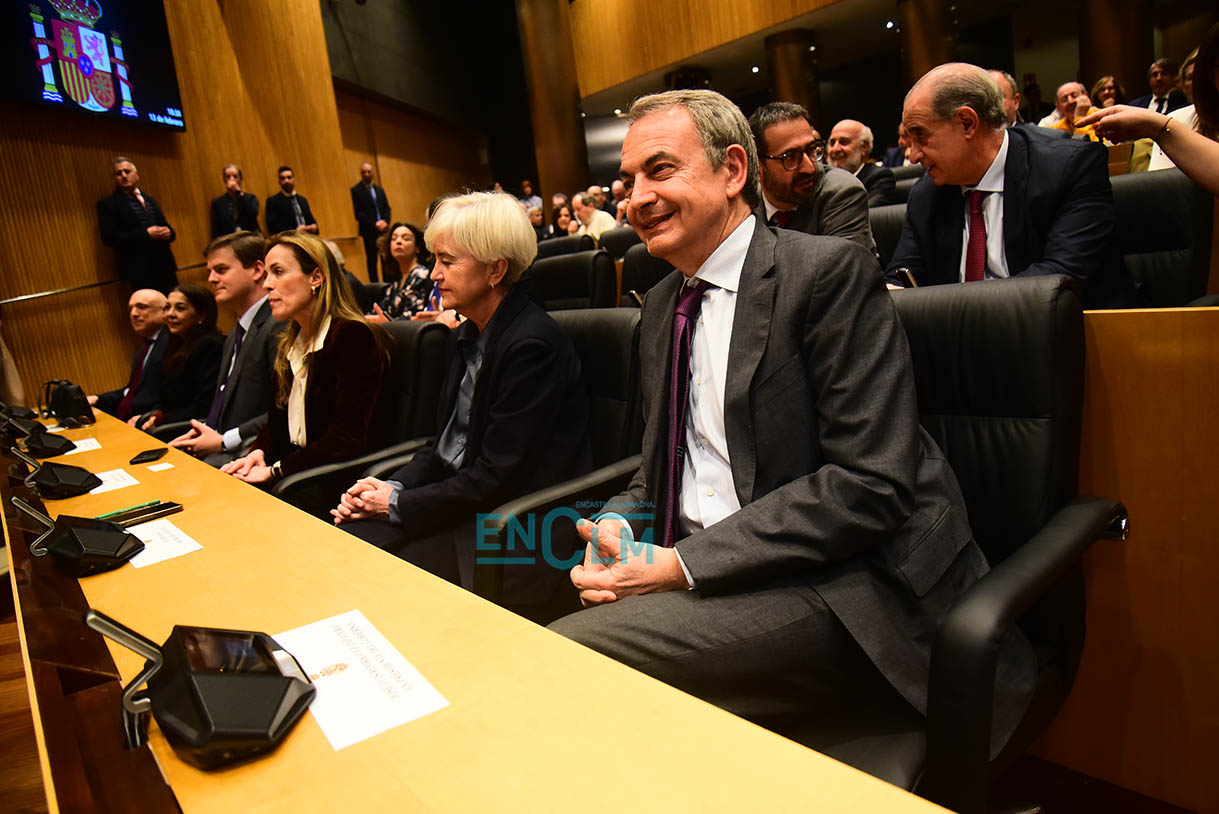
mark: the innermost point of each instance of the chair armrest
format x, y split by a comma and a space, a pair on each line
394, 457
966, 649
309, 488
600, 484
168, 432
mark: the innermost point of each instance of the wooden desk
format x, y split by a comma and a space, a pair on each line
536, 722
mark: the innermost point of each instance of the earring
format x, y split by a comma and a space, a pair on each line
315, 289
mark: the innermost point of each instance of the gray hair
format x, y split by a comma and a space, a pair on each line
585, 199
489, 226
120, 159
719, 124
967, 86
865, 136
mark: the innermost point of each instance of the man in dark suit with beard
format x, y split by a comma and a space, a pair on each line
793, 536
132, 222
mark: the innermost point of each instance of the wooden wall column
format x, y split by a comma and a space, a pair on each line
554, 97
927, 36
1116, 37
793, 72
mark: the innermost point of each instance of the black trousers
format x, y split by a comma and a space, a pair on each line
370, 256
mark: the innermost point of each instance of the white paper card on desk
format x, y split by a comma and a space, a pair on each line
113, 479
56, 429
160, 467
364, 685
85, 445
162, 541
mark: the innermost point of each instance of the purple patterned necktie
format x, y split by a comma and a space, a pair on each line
688, 304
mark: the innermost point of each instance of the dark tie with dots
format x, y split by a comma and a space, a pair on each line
688, 304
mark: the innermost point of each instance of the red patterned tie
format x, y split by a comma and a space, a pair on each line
975, 252
781, 218
688, 304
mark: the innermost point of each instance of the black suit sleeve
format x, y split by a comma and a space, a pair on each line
908, 255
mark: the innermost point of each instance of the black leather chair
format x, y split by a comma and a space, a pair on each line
580, 280
1164, 226
999, 371
607, 342
565, 245
617, 241
887, 224
914, 171
640, 271
405, 411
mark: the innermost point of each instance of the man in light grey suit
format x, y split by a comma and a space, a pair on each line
247, 367
799, 191
809, 533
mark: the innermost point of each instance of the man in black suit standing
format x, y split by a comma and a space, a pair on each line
132, 222
146, 309
372, 214
234, 210
849, 148
793, 536
998, 201
1164, 96
288, 210
247, 366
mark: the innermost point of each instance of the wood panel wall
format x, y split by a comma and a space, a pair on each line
617, 40
1144, 713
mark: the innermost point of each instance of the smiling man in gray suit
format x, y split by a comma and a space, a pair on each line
808, 533
247, 366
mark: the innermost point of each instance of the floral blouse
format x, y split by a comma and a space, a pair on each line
408, 295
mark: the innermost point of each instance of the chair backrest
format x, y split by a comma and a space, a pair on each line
410, 392
565, 245
607, 342
1164, 226
641, 271
999, 368
580, 280
617, 241
903, 187
887, 224
914, 171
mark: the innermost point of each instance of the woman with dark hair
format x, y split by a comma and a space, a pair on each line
1193, 149
1108, 92
411, 292
328, 368
191, 365
562, 220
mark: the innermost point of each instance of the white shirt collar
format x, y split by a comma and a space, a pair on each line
298, 351
723, 268
992, 181
247, 319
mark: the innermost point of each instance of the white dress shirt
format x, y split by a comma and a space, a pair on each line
232, 438
992, 216
298, 360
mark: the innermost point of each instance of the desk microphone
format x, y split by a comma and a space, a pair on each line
56, 481
81, 546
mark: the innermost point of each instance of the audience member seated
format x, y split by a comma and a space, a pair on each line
1074, 104
238, 410
1194, 150
411, 292
849, 148
512, 417
563, 221
235, 210
604, 204
593, 219
1107, 92
1011, 97
288, 209
799, 192
361, 293
540, 229
146, 310
1057, 188
557, 200
1164, 96
528, 197
328, 366
1187, 75
807, 535
619, 200
192, 358
1188, 115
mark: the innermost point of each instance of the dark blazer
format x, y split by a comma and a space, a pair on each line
142, 261
838, 207
880, 184
281, 218
344, 382
528, 429
838, 483
187, 392
1176, 99
245, 399
149, 391
1058, 218
223, 222
365, 212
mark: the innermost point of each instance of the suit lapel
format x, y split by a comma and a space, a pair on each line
1015, 189
750, 332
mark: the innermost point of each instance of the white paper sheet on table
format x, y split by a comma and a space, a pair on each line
160, 467
113, 479
364, 685
85, 445
162, 541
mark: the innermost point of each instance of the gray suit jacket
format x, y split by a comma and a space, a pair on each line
838, 207
838, 483
245, 400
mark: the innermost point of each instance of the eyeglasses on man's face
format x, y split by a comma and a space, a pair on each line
792, 159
